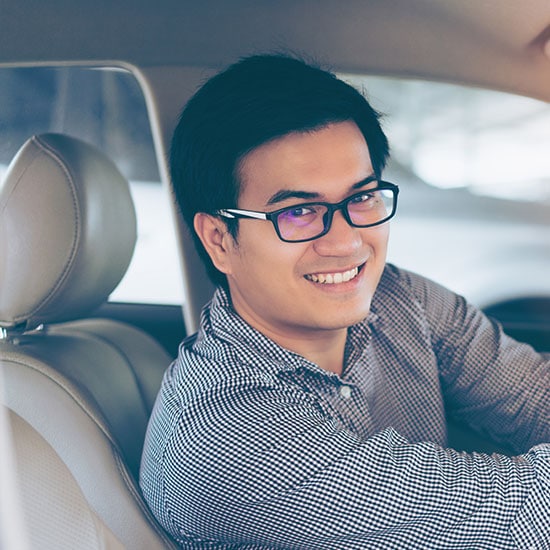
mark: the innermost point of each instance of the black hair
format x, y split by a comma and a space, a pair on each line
256, 100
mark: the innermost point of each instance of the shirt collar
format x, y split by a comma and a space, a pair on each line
221, 320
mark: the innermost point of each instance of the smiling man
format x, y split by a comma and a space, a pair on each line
309, 410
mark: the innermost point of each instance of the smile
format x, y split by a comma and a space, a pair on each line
333, 278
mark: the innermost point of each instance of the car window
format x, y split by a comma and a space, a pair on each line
104, 106
472, 164
474, 173
452, 136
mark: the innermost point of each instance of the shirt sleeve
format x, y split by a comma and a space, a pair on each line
259, 465
498, 386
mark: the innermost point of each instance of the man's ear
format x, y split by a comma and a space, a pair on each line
215, 238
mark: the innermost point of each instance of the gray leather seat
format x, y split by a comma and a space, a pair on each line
78, 391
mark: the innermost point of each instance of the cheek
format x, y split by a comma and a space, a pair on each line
260, 251
378, 237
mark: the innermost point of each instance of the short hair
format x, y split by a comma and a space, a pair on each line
256, 100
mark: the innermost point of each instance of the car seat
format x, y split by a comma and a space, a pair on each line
78, 390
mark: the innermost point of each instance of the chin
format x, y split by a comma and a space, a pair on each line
343, 319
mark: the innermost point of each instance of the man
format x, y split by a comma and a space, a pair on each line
309, 410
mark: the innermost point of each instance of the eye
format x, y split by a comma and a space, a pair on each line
300, 212
362, 198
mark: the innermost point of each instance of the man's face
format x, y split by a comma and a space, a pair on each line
276, 286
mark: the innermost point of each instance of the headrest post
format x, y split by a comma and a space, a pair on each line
12, 334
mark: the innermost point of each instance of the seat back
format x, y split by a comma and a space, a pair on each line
76, 526
79, 390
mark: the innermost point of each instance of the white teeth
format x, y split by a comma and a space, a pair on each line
334, 278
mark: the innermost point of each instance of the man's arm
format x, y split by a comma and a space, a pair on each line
496, 385
259, 464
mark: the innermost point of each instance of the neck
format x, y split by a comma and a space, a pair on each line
324, 348
328, 353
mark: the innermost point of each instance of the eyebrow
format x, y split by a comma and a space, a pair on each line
285, 194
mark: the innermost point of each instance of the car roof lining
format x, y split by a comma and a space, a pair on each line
481, 43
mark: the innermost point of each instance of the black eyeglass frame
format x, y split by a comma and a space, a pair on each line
236, 213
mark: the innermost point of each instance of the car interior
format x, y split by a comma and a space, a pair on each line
79, 371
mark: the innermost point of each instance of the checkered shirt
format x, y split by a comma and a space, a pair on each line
251, 446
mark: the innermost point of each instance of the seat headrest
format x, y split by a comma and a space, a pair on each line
67, 231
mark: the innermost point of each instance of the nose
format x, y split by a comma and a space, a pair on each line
341, 240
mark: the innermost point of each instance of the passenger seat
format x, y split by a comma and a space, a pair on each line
78, 390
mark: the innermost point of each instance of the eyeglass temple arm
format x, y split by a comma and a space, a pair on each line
235, 213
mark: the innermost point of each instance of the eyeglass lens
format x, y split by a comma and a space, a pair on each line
309, 221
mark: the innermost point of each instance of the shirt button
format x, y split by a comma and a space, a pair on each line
345, 392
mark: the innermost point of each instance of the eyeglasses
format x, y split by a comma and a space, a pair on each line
311, 220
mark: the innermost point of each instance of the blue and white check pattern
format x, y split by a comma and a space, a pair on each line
252, 446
